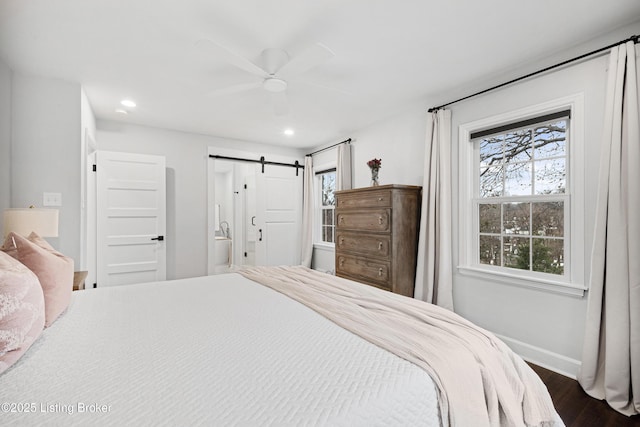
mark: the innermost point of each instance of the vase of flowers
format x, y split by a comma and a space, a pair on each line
374, 165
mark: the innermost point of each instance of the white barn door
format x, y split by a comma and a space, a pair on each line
279, 215
131, 218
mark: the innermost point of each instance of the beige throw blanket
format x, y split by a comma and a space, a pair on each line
480, 381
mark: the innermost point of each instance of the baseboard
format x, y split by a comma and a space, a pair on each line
555, 362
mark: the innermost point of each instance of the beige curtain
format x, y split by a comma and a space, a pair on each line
434, 269
343, 167
307, 213
611, 353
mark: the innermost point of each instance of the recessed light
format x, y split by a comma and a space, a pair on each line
289, 132
121, 111
128, 103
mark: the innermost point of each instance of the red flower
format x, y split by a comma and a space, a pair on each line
375, 163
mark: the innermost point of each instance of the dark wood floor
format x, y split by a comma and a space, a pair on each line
576, 408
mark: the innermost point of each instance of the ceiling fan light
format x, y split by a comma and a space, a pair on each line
274, 85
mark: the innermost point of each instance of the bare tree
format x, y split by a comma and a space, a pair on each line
508, 160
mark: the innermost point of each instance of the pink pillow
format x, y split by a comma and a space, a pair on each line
21, 310
54, 271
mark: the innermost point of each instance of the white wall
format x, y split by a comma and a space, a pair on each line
5, 139
87, 119
87, 260
399, 142
45, 151
187, 196
546, 328
542, 320
543, 327
224, 196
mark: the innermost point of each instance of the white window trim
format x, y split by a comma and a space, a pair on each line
317, 222
324, 246
575, 283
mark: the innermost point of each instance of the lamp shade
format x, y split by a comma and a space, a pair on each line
44, 222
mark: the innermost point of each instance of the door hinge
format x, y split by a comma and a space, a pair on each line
245, 186
245, 255
95, 285
95, 167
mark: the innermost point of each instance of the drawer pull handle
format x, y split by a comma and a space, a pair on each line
341, 220
341, 262
380, 220
380, 272
342, 240
379, 246
380, 199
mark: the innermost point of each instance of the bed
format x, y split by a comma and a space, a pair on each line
227, 350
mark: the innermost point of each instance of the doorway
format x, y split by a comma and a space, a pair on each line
255, 217
233, 235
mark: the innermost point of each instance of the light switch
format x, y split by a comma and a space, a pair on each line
51, 199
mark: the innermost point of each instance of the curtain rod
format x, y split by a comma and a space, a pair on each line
346, 141
544, 70
262, 161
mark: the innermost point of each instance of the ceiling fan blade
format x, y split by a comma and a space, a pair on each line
234, 89
280, 103
308, 59
232, 58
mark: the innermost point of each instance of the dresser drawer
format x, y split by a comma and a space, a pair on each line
364, 269
365, 244
367, 220
381, 199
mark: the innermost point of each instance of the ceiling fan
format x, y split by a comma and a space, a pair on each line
277, 68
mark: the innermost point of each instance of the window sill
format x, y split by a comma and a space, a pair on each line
324, 246
547, 285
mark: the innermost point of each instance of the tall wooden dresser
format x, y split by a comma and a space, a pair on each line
377, 236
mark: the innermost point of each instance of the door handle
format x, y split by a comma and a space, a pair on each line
159, 238
253, 221
260, 238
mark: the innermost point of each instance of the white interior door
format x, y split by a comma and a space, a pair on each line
131, 218
279, 215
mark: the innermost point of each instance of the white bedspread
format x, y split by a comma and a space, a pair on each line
219, 350
481, 382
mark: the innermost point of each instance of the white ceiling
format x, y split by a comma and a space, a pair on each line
388, 55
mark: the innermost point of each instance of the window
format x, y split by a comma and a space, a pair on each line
326, 204
520, 197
